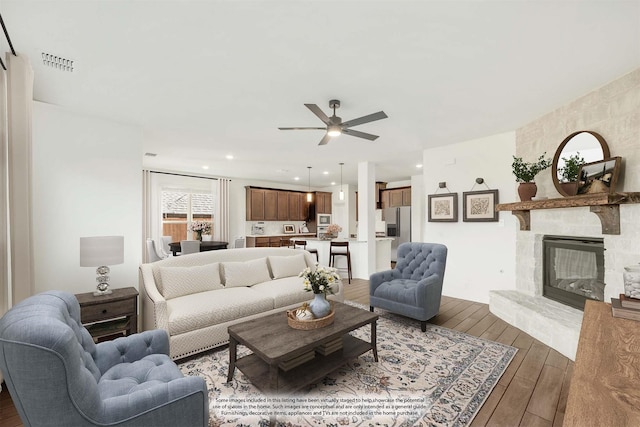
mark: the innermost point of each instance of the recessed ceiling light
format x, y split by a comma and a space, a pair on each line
205, 167
325, 173
297, 178
419, 166
333, 183
229, 156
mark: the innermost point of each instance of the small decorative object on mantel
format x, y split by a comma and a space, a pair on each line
631, 278
443, 207
320, 282
525, 174
200, 228
480, 206
599, 177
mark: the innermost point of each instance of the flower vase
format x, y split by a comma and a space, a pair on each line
319, 306
199, 235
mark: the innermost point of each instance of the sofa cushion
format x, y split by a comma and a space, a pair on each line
180, 281
284, 292
287, 266
197, 311
246, 273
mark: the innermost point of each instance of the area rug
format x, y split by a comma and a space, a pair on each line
439, 377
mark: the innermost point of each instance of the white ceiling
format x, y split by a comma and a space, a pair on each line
205, 79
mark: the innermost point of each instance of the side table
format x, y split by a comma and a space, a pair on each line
109, 316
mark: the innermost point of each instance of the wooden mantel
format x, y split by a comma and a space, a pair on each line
606, 206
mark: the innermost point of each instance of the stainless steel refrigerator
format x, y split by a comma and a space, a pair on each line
398, 226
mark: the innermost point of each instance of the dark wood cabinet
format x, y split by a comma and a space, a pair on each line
255, 204
323, 202
270, 205
283, 206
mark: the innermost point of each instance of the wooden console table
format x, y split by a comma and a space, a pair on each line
606, 206
604, 386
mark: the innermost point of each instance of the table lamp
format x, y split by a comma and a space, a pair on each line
101, 251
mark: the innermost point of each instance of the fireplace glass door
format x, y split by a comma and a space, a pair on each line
573, 269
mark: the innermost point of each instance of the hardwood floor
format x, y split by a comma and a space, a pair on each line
531, 393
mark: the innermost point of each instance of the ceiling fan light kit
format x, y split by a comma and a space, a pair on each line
335, 126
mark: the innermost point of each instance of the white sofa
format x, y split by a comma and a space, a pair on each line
196, 297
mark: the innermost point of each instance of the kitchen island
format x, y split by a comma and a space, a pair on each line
359, 260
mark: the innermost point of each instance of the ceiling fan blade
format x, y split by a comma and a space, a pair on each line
302, 128
365, 119
326, 138
359, 134
318, 112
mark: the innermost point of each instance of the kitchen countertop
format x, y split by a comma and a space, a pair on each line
350, 239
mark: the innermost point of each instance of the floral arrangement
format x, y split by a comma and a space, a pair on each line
202, 227
333, 229
525, 172
319, 280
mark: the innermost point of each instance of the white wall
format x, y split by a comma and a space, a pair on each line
481, 255
87, 181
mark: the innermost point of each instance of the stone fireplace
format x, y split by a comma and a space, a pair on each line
612, 111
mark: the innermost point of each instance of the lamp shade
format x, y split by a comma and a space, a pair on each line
101, 250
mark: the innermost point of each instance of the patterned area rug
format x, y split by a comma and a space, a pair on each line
438, 378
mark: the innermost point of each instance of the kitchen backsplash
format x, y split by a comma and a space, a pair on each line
272, 227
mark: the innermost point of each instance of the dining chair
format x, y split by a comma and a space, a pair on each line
189, 247
152, 253
165, 245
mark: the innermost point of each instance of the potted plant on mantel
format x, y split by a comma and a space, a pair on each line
526, 172
569, 173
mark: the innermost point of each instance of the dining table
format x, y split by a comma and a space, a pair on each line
204, 246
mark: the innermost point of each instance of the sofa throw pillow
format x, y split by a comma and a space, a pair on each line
180, 281
246, 273
287, 266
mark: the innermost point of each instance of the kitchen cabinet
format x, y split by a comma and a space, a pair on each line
273, 241
396, 197
323, 202
255, 204
283, 206
266, 204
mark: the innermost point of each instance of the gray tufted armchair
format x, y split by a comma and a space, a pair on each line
57, 375
414, 287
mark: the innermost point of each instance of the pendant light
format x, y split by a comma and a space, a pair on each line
309, 196
341, 195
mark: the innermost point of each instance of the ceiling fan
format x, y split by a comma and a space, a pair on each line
335, 126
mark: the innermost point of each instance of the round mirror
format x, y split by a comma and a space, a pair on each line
576, 149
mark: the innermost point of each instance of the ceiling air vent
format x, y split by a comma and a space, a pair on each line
150, 154
58, 62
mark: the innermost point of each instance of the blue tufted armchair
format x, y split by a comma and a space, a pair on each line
414, 287
57, 375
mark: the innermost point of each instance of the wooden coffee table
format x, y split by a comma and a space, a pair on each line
275, 344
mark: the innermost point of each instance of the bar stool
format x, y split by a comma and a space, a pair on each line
302, 244
285, 242
342, 250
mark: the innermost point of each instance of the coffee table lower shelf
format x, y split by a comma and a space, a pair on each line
257, 370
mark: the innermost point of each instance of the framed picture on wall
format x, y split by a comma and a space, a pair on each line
599, 177
479, 206
443, 207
